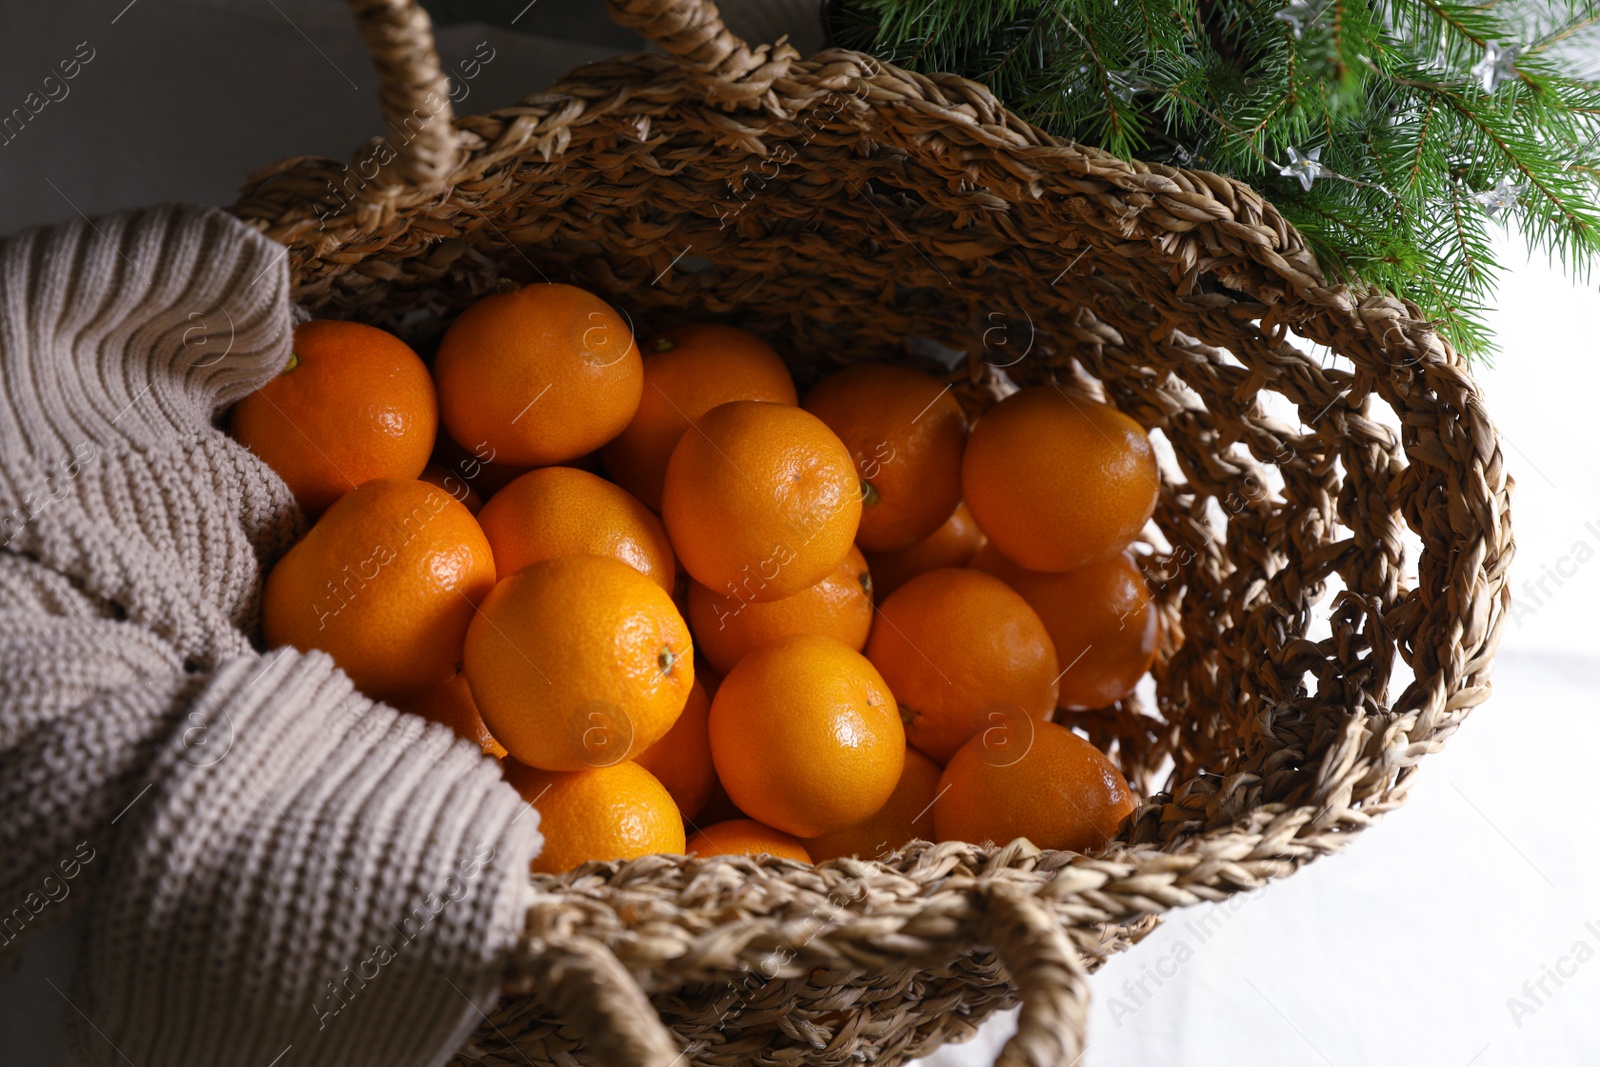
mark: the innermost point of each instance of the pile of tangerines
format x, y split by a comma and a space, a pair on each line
691, 614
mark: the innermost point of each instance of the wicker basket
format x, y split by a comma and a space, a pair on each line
842, 207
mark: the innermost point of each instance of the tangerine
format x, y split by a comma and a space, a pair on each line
450, 703
619, 812
726, 628
1100, 620
561, 511
1060, 793
578, 661
805, 737
541, 374
959, 647
907, 816
762, 502
385, 583
746, 837
354, 403
681, 760
689, 370
905, 432
951, 545
1056, 481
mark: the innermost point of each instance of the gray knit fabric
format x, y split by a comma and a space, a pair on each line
275, 865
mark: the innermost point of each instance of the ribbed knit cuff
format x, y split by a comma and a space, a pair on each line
177, 535
321, 873
120, 340
135, 328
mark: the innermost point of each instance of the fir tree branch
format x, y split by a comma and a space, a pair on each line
1467, 113
1382, 87
1422, 144
1337, 26
1447, 19
1012, 53
1104, 79
1469, 261
1243, 138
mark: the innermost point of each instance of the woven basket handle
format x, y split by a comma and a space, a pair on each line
728, 70
590, 990
414, 94
1049, 976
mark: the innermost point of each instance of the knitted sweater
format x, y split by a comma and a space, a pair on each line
275, 865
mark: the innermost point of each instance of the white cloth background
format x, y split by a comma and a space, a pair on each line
1415, 946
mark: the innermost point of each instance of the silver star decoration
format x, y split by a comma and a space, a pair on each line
1305, 168
1497, 66
1299, 14
1502, 197
1125, 84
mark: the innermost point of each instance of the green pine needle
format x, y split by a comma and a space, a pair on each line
1385, 88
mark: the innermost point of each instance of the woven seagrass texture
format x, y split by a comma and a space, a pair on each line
846, 210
